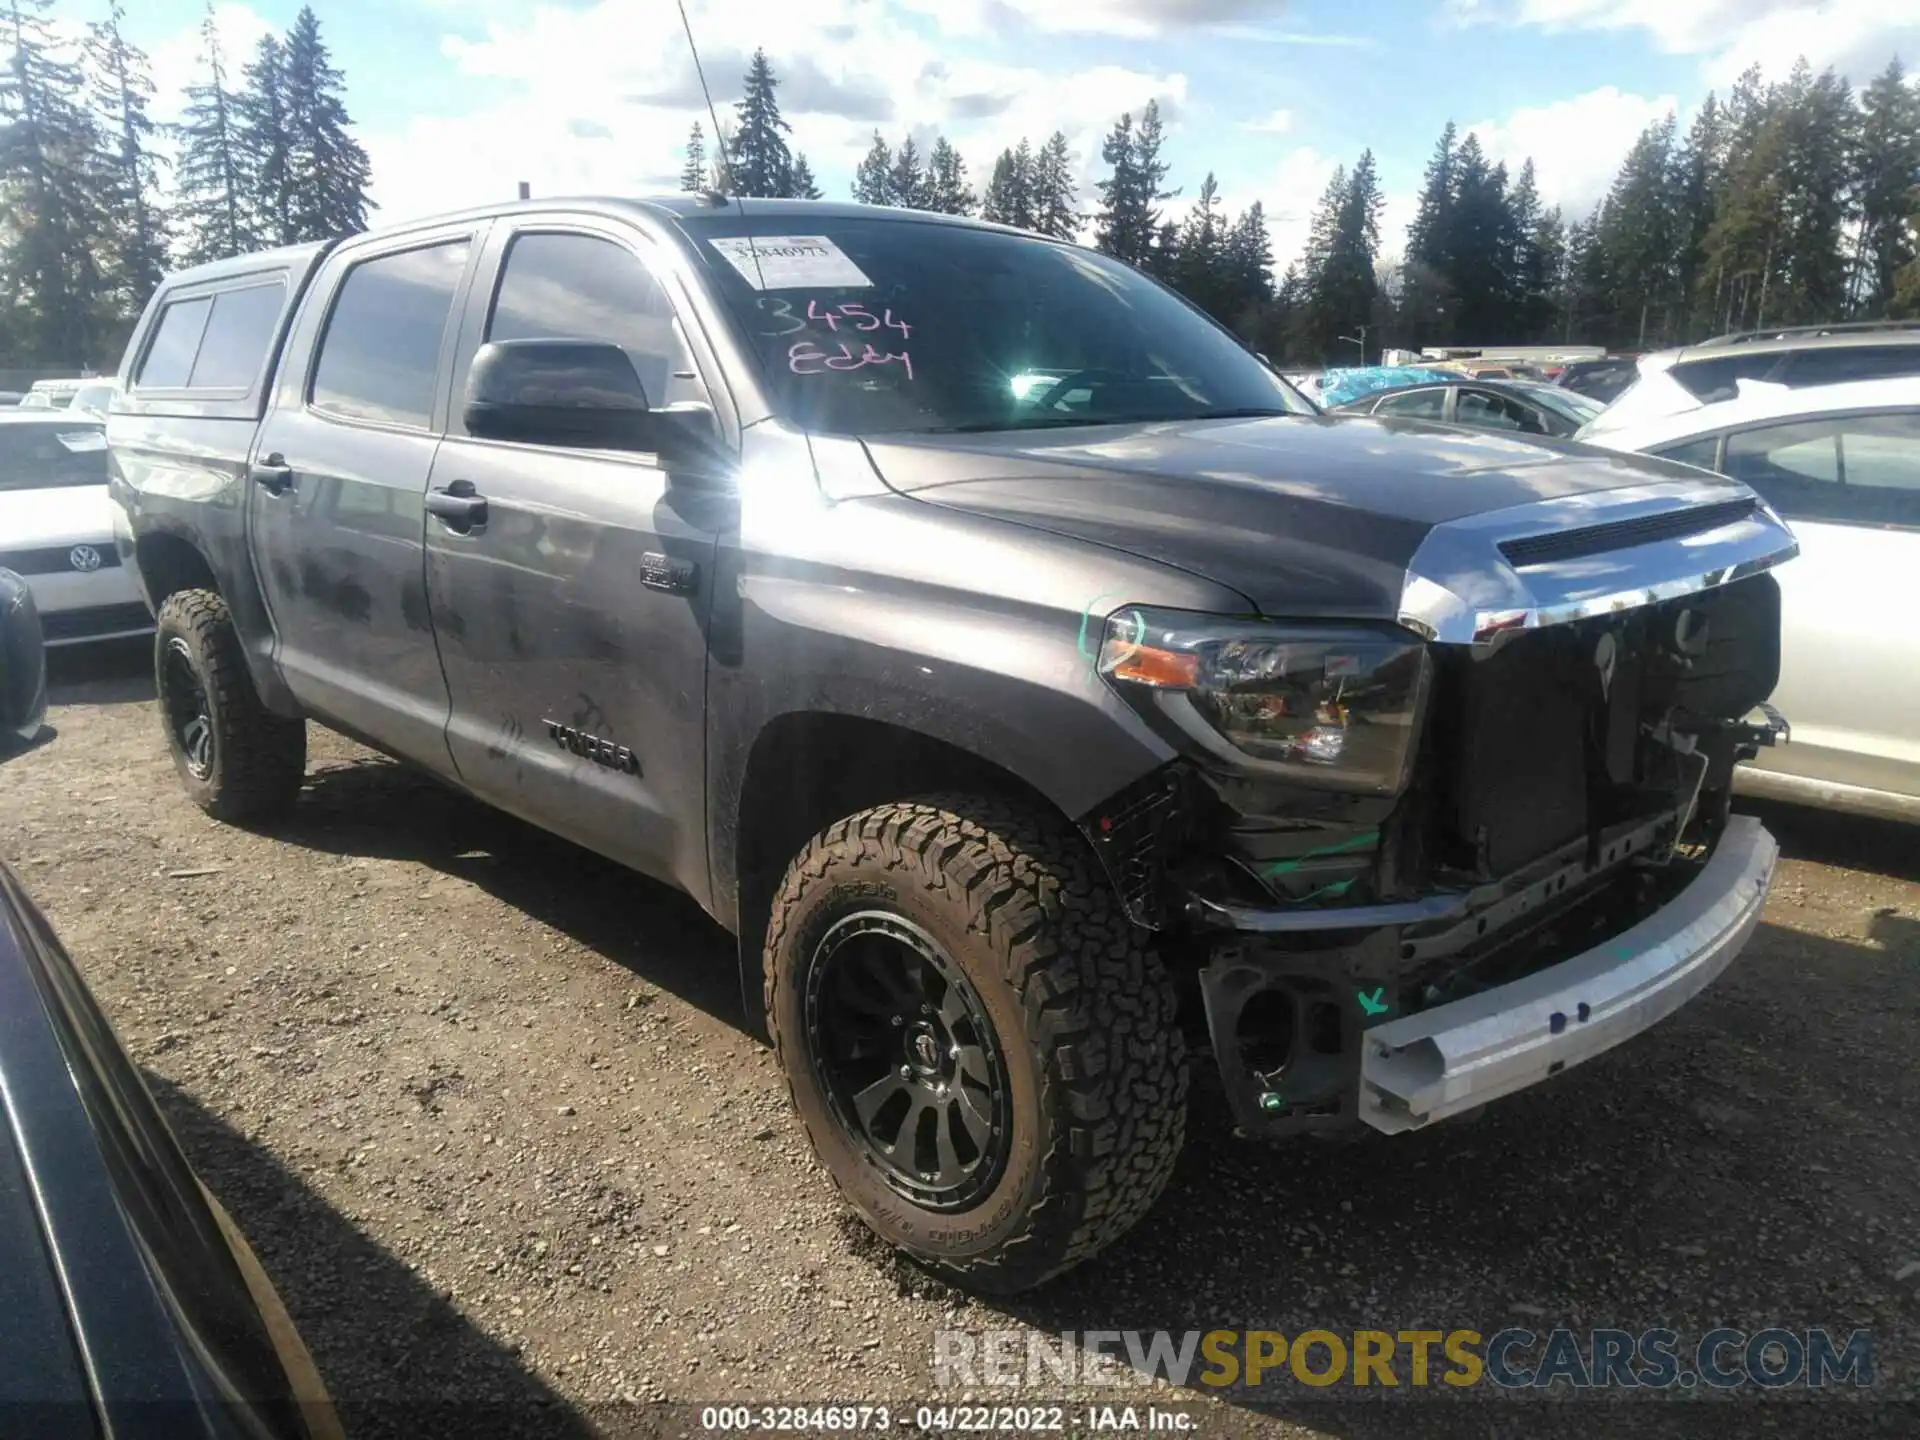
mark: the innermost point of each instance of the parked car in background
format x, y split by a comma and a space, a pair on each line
1674, 382
1525, 406
58, 394
1601, 380
134, 1307
1841, 463
94, 398
56, 527
1343, 384
23, 664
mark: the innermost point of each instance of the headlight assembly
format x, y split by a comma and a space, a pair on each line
1333, 707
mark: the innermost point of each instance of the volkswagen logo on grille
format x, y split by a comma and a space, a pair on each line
84, 557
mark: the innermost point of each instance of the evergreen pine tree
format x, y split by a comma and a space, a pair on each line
1200, 273
693, 174
947, 188
1343, 298
800, 183
135, 238
1528, 300
1054, 190
1640, 237
1007, 201
873, 176
1479, 245
1128, 219
52, 210
327, 170
1163, 260
210, 171
1249, 259
906, 181
1546, 278
1701, 166
1820, 138
265, 144
761, 162
1887, 172
1432, 218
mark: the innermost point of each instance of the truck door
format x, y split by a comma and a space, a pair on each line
339, 470
571, 609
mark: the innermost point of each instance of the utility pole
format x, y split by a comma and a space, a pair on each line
1361, 340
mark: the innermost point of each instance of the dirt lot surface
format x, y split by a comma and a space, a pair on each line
485, 1107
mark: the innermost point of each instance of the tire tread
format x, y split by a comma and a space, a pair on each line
1100, 1009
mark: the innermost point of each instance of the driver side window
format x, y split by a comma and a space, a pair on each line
557, 286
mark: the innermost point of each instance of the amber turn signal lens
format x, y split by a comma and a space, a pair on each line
1146, 665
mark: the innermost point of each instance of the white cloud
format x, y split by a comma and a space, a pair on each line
1288, 195
595, 103
1278, 123
1857, 37
1576, 144
1133, 19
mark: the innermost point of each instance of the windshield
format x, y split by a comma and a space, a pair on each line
1568, 404
867, 326
41, 457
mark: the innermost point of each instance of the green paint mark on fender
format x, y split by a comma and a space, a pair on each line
1373, 1004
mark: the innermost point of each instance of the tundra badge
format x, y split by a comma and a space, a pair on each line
592, 747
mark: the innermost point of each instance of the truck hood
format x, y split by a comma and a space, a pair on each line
1349, 516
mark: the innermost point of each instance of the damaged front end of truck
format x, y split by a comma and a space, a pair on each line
1410, 867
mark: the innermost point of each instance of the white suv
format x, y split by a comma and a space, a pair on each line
1841, 464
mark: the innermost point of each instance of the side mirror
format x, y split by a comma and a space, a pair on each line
557, 392
23, 663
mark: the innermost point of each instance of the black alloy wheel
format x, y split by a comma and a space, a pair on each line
908, 1060
189, 717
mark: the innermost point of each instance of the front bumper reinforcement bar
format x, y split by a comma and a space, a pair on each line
1458, 1056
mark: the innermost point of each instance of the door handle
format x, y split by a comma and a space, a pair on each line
458, 506
273, 473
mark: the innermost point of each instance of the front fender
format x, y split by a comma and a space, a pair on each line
972, 631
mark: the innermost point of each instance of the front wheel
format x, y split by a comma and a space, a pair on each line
238, 760
986, 1058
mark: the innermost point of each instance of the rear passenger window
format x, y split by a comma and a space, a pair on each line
1421, 404
169, 357
380, 356
580, 287
1857, 469
1710, 381
237, 336
1853, 362
1693, 452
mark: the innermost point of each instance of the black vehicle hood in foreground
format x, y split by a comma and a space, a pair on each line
1303, 515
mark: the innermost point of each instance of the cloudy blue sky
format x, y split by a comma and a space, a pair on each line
458, 99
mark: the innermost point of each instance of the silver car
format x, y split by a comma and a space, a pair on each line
1841, 464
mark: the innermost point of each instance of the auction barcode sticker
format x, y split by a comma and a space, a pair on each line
790, 262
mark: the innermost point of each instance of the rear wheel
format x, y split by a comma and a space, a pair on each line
984, 1055
238, 760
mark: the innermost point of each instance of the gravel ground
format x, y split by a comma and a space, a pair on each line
485, 1107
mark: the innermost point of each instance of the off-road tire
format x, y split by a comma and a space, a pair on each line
259, 759
1083, 1010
